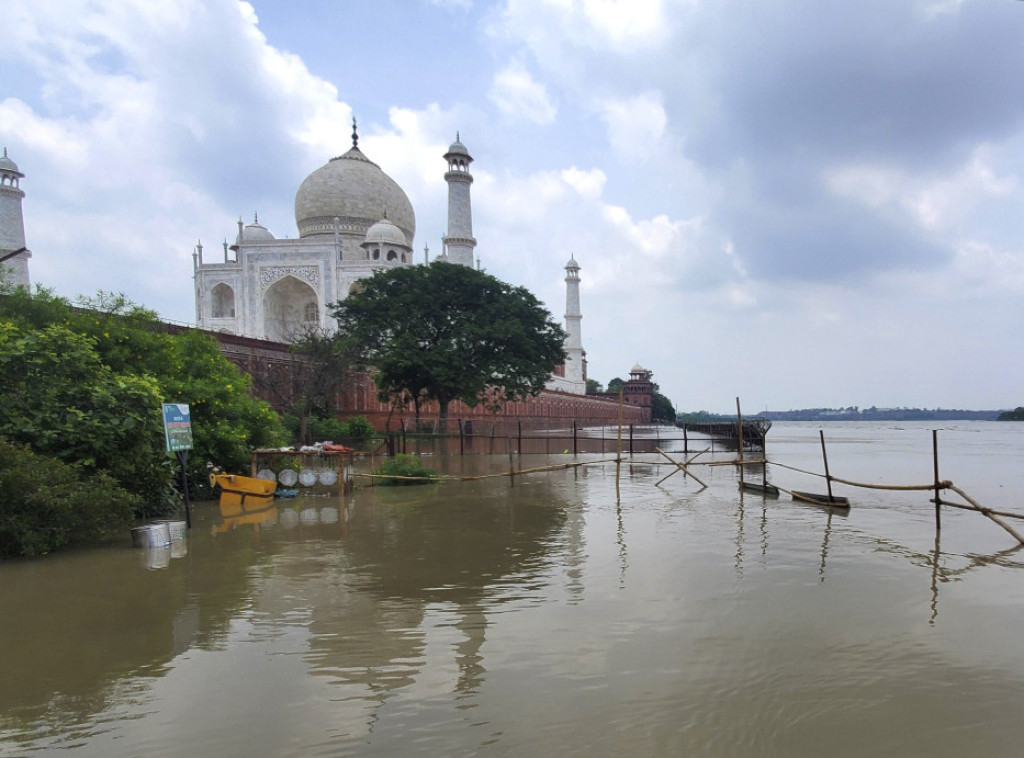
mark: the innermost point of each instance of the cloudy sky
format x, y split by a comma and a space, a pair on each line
801, 203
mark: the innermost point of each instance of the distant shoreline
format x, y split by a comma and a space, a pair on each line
853, 414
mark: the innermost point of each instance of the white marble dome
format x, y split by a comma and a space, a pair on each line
386, 233
457, 148
256, 232
353, 189
7, 164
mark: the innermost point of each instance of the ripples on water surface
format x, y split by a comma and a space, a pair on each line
553, 616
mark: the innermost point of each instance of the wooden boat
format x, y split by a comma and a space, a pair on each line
822, 499
768, 490
243, 490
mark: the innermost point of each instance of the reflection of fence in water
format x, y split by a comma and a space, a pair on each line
469, 437
628, 442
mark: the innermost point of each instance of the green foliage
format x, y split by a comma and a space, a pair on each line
356, 429
662, 409
227, 423
1015, 415
89, 384
446, 332
64, 402
594, 387
329, 358
702, 417
405, 466
615, 385
46, 504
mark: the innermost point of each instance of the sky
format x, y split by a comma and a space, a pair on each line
797, 203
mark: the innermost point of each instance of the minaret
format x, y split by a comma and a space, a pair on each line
574, 367
459, 242
12, 224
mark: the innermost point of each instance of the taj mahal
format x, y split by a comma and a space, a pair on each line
353, 219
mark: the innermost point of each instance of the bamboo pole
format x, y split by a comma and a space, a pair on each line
935, 463
739, 438
824, 456
962, 506
618, 448
682, 467
986, 512
677, 470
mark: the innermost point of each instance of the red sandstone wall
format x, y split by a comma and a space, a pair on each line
274, 370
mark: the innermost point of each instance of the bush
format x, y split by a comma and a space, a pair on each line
405, 466
85, 385
66, 404
358, 428
46, 504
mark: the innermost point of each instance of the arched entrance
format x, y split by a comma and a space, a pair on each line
290, 309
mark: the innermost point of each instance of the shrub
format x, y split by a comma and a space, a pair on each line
46, 504
85, 385
66, 404
358, 428
405, 466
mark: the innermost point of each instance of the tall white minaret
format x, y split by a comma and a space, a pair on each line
459, 242
12, 224
575, 370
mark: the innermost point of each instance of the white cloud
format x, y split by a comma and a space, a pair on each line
517, 95
636, 125
935, 204
621, 27
590, 184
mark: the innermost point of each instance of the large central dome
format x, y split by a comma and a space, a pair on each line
353, 189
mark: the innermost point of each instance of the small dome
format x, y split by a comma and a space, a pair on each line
572, 263
457, 148
255, 232
6, 164
638, 369
386, 233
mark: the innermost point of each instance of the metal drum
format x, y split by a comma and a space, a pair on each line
176, 529
151, 535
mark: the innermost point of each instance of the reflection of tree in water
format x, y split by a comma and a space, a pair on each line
459, 548
80, 622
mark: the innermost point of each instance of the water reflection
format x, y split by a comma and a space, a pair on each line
575, 611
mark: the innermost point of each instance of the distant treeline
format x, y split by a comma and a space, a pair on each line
853, 413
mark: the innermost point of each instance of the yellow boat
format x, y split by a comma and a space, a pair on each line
243, 490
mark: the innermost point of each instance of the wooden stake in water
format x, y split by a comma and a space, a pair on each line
739, 438
938, 493
824, 455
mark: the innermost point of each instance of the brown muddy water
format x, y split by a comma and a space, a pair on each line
561, 614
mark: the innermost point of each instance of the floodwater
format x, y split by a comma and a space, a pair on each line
570, 612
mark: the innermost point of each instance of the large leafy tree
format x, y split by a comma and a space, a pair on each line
447, 332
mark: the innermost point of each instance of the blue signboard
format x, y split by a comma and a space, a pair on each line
177, 427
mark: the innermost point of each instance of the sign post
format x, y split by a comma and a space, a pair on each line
178, 434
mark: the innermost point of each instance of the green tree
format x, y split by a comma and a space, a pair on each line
594, 387
60, 399
328, 359
112, 337
447, 332
662, 409
615, 385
